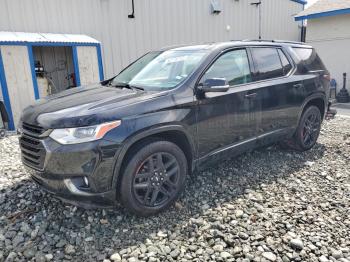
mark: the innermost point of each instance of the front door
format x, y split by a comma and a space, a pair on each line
225, 119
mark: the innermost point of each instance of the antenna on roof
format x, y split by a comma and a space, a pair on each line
258, 4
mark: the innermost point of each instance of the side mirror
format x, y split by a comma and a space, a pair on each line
214, 85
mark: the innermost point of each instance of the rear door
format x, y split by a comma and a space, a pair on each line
295, 89
279, 94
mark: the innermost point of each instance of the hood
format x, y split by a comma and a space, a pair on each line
83, 106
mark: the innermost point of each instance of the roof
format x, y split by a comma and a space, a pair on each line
323, 8
234, 43
22, 37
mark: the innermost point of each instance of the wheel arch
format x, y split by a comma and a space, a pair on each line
173, 133
318, 100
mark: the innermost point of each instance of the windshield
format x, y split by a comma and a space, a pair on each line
160, 70
128, 73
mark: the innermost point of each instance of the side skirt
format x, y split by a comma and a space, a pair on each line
244, 146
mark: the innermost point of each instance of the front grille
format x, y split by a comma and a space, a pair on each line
32, 129
33, 152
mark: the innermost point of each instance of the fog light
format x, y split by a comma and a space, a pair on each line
86, 181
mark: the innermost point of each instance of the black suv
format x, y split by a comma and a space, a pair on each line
137, 136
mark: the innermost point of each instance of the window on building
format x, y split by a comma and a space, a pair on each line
233, 66
267, 63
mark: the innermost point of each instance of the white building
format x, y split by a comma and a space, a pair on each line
119, 35
328, 30
157, 23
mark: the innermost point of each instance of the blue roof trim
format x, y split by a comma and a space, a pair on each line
100, 64
32, 69
324, 14
303, 2
46, 43
76, 65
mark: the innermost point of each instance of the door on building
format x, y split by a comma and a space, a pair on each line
54, 69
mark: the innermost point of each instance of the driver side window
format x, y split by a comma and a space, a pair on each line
233, 66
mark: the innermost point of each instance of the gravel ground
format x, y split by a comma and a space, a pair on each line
269, 205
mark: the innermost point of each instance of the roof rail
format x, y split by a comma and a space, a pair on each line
273, 41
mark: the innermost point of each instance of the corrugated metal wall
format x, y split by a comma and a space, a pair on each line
157, 23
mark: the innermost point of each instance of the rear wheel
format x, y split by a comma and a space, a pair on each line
153, 178
308, 130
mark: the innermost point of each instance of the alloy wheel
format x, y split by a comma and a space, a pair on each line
311, 129
156, 180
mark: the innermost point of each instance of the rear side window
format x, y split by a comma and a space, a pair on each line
233, 66
309, 59
285, 62
267, 63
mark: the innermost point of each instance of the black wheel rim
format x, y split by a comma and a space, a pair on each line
311, 129
156, 180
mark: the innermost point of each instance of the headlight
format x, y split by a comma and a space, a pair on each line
82, 134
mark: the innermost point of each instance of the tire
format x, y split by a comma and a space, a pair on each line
153, 178
2, 133
307, 131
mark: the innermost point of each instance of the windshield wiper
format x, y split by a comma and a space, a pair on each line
126, 85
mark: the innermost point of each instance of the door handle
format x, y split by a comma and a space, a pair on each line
298, 85
252, 95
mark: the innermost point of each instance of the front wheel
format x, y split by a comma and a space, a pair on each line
2, 133
153, 178
308, 130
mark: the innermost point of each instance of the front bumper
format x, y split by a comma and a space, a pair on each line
67, 191
80, 174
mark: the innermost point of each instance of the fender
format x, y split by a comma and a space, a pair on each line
311, 97
143, 134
